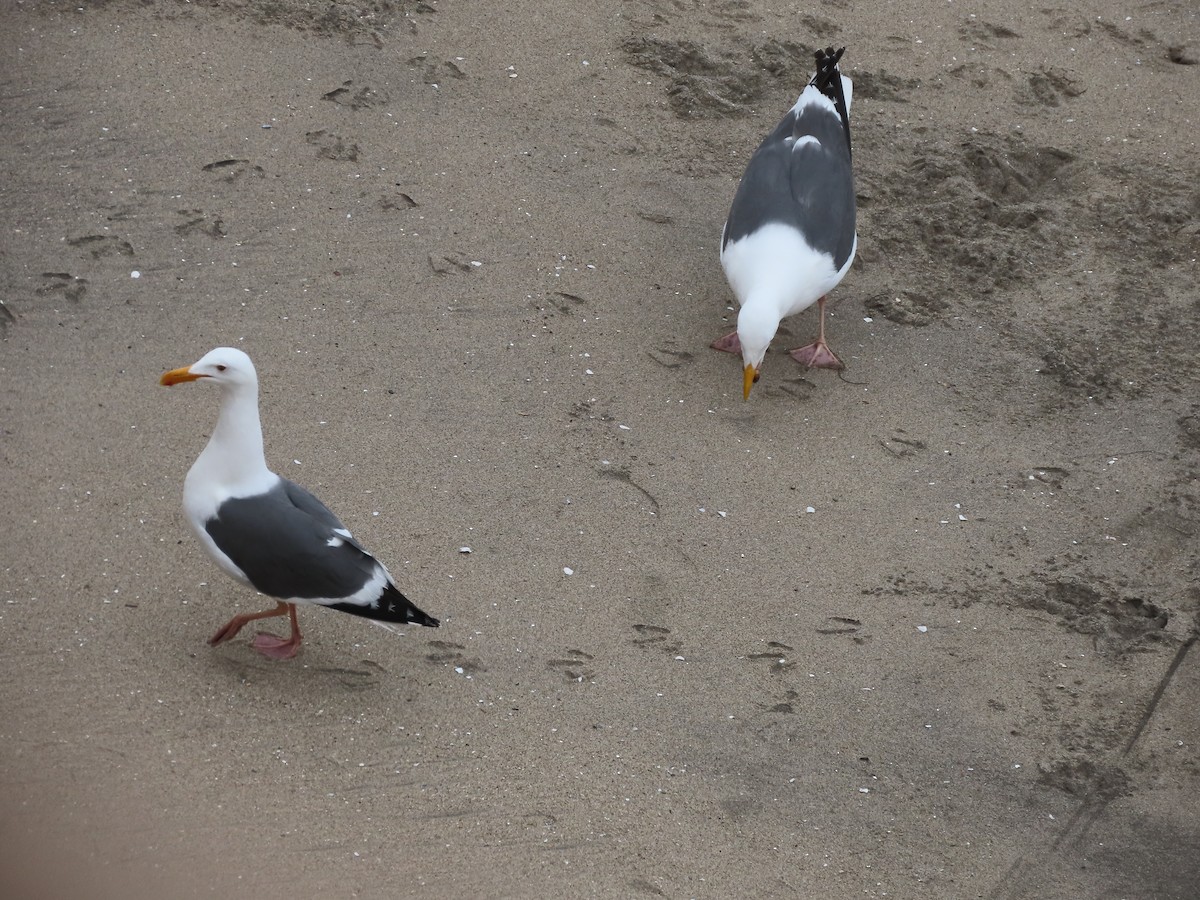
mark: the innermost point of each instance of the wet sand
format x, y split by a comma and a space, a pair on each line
920, 630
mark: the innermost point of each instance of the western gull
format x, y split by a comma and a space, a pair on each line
268, 532
790, 237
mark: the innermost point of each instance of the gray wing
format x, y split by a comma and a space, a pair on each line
305, 501
286, 542
809, 186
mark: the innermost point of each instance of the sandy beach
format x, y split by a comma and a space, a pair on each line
920, 629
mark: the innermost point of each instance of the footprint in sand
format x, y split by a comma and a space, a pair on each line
70, 286
784, 704
907, 307
451, 263
355, 98
357, 679
844, 625
777, 655
99, 245
396, 201
332, 146
448, 653
573, 665
670, 359
655, 637
231, 170
196, 221
434, 72
900, 444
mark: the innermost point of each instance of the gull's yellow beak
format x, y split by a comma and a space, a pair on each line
749, 376
178, 376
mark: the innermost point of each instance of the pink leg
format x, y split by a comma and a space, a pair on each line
817, 354
234, 625
728, 344
276, 647
266, 644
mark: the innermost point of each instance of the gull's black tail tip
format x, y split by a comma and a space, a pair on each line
392, 608
413, 614
401, 609
424, 619
826, 78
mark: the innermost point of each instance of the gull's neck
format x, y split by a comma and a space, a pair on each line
234, 457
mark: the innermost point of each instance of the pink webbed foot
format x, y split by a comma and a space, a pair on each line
275, 647
817, 355
728, 344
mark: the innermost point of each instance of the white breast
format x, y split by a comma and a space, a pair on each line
776, 263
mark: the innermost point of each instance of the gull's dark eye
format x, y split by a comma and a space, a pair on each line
220, 368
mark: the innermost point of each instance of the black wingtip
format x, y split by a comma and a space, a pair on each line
828, 80
415, 615
393, 606
401, 609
